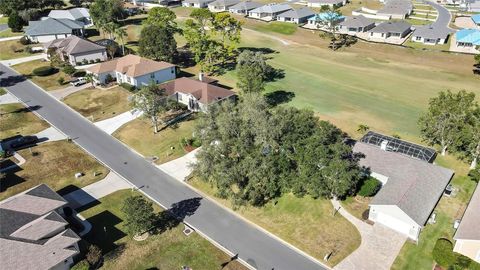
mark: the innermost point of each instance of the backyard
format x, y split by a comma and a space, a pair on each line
49, 82
18, 120
170, 249
98, 104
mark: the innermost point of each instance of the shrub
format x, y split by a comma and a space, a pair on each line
15, 22
24, 41
81, 265
97, 60
94, 254
61, 80
369, 187
44, 71
69, 69
78, 63
28, 49
443, 252
108, 78
91, 61
128, 87
15, 48
84, 61
79, 73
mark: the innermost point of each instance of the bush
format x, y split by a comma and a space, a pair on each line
79, 73
91, 61
24, 41
94, 255
97, 60
81, 265
128, 87
443, 252
78, 63
84, 61
69, 69
61, 80
369, 187
15, 22
44, 71
108, 78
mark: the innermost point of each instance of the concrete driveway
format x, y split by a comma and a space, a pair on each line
63, 93
180, 168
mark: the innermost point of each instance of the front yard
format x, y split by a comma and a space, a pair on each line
11, 49
97, 104
49, 82
170, 249
15, 119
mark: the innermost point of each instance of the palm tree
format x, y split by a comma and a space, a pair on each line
89, 79
121, 34
110, 28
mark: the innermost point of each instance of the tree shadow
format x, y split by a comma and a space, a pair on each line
25, 109
233, 258
274, 74
279, 97
12, 80
172, 217
255, 49
104, 233
184, 58
10, 178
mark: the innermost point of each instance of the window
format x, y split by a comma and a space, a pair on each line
152, 75
418, 38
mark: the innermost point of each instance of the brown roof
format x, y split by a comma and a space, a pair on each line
469, 226
202, 91
131, 65
73, 45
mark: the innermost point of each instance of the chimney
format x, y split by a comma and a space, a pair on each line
200, 76
383, 145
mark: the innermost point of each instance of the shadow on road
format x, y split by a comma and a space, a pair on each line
11, 80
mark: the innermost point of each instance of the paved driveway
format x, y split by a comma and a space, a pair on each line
253, 246
3, 27
63, 93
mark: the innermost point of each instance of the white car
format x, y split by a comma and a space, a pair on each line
78, 81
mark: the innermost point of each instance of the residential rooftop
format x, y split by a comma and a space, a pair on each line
297, 13
74, 45
392, 27
72, 14
131, 65
224, 3
431, 31
51, 26
204, 92
271, 8
469, 226
246, 5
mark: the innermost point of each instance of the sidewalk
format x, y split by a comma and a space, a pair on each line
10, 38
63, 93
180, 167
111, 124
17, 61
8, 99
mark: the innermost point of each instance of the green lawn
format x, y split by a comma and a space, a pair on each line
139, 135
15, 119
357, 206
98, 104
3, 20
170, 249
421, 46
304, 222
276, 27
2, 91
55, 164
8, 33
46, 82
414, 21
11, 49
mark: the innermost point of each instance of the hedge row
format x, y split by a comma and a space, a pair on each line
44, 71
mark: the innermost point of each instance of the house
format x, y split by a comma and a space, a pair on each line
328, 3
222, 5
196, 94
411, 185
391, 29
133, 70
297, 16
471, 5
77, 51
356, 24
268, 12
467, 236
469, 38
51, 29
75, 14
323, 19
396, 9
196, 3
430, 35
243, 8
476, 19
33, 233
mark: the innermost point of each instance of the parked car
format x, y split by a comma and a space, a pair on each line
78, 81
23, 141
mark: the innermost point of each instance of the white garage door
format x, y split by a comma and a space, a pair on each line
394, 223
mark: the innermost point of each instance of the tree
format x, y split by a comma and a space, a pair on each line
162, 16
252, 71
121, 33
446, 116
106, 11
151, 101
139, 215
203, 16
475, 174
111, 50
468, 146
330, 21
158, 43
89, 79
15, 22
476, 57
109, 28
229, 30
362, 128
94, 255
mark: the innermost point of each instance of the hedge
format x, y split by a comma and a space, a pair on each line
44, 71
369, 187
128, 87
443, 252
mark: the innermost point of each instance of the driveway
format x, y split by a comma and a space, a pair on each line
17, 61
63, 93
443, 18
253, 246
379, 248
180, 168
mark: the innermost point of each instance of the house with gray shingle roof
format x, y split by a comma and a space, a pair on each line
396, 9
430, 34
467, 236
356, 24
76, 14
328, 3
33, 233
391, 30
77, 50
222, 5
51, 29
268, 12
196, 3
244, 7
411, 188
297, 16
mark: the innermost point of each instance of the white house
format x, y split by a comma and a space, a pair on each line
243, 8
411, 185
356, 24
430, 35
391, 30
268, 12
222, 5
76, 14
196, 3
328, 3
297, 16
51, 29
133, 70
77, 50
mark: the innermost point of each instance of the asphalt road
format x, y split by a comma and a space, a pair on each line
252, 245
3, 27
443, 18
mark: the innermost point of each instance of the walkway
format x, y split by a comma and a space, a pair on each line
379, 248
8, 99
110, 125
180, 168
10, 38
63, 93
17, 61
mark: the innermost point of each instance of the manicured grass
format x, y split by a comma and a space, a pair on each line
419, 256
276, 27
46, 82
304, 222
97, 104
2, 91
3, 20
170, 249
15, 119
414, 21
52, 163
139, 135
11, 49
8, 33
357, 206
421, 46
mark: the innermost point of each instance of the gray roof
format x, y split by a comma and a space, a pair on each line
271, 8
413, 185
396, 7
392, 27
246, 5
52, 26
432, 32
74, 45
357, 21
326, 2
72, 14
198, 1
469, 226
297, 13
224, 3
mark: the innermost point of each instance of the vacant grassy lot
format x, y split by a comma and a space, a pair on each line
419, 256
99, 104
46, 82
304, 222
11, 49
52, 163
139, 135
170, 249
15, 119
